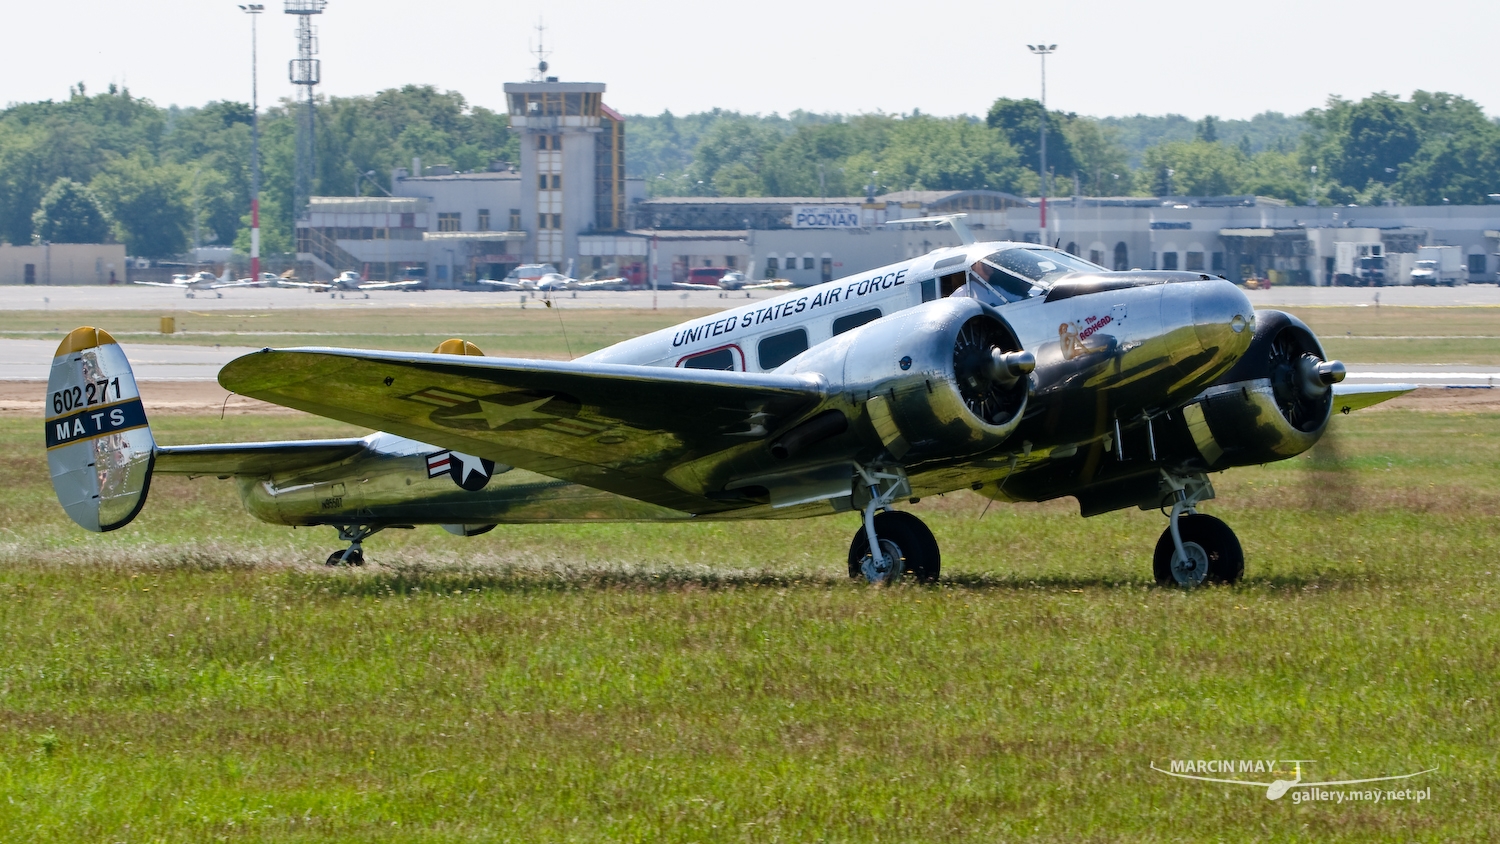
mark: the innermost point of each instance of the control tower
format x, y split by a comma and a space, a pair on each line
572, 164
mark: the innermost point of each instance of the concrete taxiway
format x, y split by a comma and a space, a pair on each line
31, 360
94, 298
120, 298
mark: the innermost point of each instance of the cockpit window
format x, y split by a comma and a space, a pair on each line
1040, 266
1011, 275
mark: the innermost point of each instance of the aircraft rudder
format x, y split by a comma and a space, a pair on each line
100, 450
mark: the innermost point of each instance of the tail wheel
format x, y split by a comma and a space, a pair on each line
905, 541
1213, 551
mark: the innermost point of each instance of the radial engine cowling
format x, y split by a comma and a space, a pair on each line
944, 380
1275, 403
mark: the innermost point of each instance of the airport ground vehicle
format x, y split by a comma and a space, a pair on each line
1012, 369
1439, 266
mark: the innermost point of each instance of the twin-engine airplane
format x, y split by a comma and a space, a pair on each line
1012, 369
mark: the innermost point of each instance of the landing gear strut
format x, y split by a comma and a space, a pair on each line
1195, 548
355, 535
891, 543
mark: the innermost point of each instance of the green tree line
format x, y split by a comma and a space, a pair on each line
1430, 149
114, 165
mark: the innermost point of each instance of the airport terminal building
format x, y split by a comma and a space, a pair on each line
568, 202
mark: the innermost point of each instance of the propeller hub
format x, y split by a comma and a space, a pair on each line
1316, 376
1009, 367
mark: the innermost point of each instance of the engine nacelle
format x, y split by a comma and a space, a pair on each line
944, 380
1275, 403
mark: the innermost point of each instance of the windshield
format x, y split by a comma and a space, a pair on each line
1022, 272
1038, 265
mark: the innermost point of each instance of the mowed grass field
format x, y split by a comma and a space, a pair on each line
198, 676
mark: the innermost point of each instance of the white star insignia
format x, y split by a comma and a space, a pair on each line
470, 464
495, 414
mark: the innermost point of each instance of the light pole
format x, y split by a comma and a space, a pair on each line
1043, 51
252, 10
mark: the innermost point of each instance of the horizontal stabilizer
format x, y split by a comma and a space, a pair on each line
254, 459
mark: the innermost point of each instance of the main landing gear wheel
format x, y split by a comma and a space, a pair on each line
1212, 553
907, 547
349, 558
355, 535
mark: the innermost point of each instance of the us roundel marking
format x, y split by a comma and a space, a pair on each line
467, 471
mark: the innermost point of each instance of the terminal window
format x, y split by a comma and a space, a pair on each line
1194, 261
544, 181
450, 221
484, 219
771, 267
515, 220
808, 262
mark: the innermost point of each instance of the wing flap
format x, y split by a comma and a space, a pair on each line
608, 426
253, 459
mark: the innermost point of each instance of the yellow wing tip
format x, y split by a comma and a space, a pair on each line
84, 338
455, 346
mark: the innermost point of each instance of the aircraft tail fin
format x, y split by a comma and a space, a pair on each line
100, 451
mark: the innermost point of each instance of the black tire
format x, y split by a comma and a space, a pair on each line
356, 558
1226, 559
920, 559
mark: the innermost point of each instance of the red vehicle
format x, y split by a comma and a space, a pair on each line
706, 276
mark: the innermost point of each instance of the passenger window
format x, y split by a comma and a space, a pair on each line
716, 359
780, 348
929, 290
852, 321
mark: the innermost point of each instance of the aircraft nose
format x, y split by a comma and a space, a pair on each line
1223, 318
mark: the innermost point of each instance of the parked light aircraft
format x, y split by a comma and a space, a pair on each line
522, 278
200, 281
265, 280
350, 281
1012, 369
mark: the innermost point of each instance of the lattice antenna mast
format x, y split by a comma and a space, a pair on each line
539, 73
307, 71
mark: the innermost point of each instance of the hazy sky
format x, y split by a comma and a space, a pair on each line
941, 56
